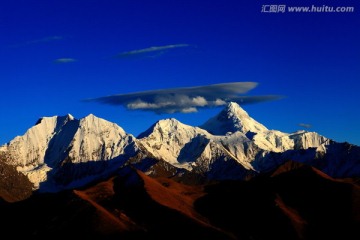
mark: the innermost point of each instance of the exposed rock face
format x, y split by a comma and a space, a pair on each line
14, 186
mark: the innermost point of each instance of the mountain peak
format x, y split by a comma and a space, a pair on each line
59, 119
164, 125
234, 108
93, 122
232, 119
90, 116
70, 117
168, 122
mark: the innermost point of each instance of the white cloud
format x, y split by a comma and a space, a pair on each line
139, 104
38, 41
65, 60
199, 101
219, 102
189, 110
151, 49
305, 125
186, 100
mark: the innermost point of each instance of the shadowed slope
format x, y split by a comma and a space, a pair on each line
174, 195
163, 207
296, 202
111, 219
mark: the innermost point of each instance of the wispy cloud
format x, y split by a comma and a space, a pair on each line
157, 49
305, 125
187, 99
45, 39
38, 41
65, 60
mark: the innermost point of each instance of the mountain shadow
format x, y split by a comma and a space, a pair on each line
297, 203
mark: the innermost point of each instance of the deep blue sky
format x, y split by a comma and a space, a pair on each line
311, 58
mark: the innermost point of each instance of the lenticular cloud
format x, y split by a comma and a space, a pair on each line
187, 99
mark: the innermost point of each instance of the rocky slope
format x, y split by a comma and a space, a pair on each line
293, 202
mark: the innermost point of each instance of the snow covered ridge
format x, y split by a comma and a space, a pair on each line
63, 152
56, 141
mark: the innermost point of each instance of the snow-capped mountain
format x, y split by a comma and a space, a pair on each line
196, 150
55, 142
167, 138
247, 143
127, 188
63, 152
233, 119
